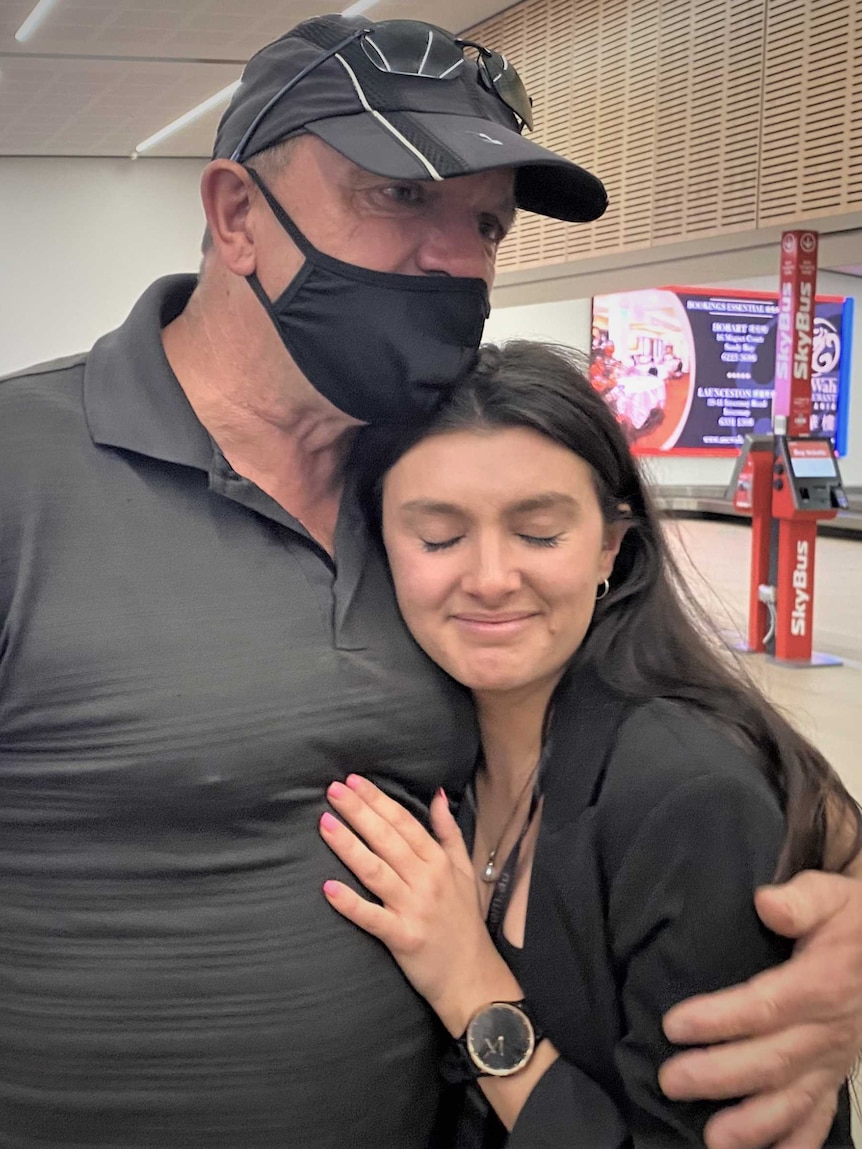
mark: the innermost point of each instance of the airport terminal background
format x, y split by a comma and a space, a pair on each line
82, 234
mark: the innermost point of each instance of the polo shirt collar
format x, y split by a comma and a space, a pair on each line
132, 398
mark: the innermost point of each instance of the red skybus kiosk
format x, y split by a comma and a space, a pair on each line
788, 480
807, 489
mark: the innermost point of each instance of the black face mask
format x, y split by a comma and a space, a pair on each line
383, 348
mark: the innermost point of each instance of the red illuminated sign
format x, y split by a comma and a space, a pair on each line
797, 286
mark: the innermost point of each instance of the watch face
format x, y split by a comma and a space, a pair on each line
500, 1039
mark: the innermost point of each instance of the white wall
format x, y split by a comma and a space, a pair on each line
569, 322
80, 239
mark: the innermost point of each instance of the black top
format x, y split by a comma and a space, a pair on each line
656, 829
182, 672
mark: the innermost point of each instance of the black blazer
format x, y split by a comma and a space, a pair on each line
656, 829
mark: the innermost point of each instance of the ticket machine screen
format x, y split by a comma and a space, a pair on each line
812, 459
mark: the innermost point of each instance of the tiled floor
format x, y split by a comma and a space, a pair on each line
825, 703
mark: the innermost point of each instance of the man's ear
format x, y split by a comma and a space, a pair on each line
226, 193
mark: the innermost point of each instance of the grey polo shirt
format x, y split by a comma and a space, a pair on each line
182, 672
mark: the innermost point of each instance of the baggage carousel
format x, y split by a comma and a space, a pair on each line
712, 503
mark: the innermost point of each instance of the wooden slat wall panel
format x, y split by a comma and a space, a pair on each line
548, 240
640, 165
807, 124
854, 114
610, 115
702, 116
674, 93
726, 39
743, 103
573, 96
826, 131
782, 110
711, 34
828, 126
708, 111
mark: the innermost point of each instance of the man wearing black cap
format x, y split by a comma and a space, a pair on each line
184, 666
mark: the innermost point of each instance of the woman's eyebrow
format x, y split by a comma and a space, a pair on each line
431, 507
549, 500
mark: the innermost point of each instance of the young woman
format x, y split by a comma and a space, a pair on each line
631, 794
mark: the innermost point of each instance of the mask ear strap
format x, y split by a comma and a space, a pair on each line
281, 215
300, 241
257, 288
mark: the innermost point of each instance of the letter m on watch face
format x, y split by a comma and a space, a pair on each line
500, 1039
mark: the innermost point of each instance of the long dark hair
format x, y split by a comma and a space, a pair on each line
643, 642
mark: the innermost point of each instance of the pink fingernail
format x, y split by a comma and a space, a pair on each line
442, 794
328, 822
330, 888
336, 790
354, 781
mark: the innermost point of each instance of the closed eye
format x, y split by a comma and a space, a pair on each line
431, 547
541, 540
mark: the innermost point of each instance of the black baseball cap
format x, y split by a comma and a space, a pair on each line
403, 99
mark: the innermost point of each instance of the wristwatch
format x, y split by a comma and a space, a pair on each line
499, 1040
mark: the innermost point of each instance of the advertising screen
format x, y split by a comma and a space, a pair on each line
691, 371
812, 458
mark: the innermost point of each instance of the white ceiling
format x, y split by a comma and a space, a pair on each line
99, 76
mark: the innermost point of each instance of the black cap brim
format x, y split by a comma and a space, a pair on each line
432, 145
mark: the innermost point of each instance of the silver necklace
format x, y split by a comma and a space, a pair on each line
490, 873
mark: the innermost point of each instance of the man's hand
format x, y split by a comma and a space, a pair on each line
794, 1032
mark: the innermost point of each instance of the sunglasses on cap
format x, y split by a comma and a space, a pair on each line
411, 48
408, 48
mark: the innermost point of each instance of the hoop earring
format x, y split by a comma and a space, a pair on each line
606, 586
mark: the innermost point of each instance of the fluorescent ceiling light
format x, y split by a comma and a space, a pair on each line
34, 19
221, 97
359, 7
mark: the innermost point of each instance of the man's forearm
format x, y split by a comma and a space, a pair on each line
796, 1025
